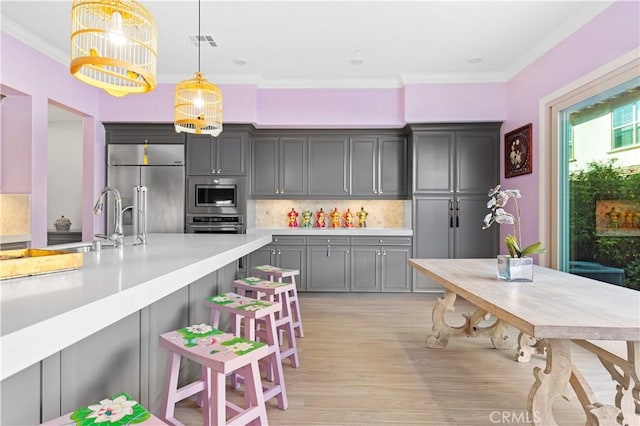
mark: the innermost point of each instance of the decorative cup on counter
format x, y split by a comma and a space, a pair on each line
62, 224
293, 218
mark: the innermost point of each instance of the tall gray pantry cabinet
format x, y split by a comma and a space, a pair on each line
454, 166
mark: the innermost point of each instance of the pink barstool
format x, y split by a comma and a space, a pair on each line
278, 292
250, 310
219, 354
273, 273
118, 409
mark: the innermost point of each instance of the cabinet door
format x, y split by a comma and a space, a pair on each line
477, 161
365, 274
231, 153
262, 256
264, 180
328, 166
392, 167
471, 241
433, 234
395, 272
432, 160
294, 257
293, 166
93, 369
201, 155
328, 268
142, 133
364, 166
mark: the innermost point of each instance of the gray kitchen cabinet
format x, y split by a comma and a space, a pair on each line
21, 396
286, 251
378, 166
454, 166
223, 155
328, 264
279, 167
140, 133
93, 369
380, 264
328, 166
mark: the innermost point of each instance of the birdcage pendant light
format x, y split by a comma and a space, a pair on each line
198, 102
114, 45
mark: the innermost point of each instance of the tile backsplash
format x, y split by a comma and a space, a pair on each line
15, 214
382, 213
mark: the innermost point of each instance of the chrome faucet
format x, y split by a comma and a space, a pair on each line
118, 236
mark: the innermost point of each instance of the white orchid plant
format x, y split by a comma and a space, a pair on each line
498, 200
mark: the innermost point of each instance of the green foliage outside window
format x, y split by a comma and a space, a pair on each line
603, 181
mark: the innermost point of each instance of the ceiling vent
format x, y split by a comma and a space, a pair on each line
204, 39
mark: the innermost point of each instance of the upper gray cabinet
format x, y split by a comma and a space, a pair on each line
279, 167
460, 159
140, 133
224, 155
328, 166
378, 166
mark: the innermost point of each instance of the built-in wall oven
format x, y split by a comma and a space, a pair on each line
218, 224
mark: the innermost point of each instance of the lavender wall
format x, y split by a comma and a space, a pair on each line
607, 37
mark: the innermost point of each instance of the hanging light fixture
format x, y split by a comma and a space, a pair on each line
114, 45
198, 103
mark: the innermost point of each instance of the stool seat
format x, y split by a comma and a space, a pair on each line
279, 292
119, 409
275, 273
250, 310
219, 354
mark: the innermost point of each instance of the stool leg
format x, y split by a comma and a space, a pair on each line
253, 391
295, 307
215, 413
169, 403
274, 362
292, 351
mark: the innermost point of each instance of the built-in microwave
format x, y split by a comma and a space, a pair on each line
215, 195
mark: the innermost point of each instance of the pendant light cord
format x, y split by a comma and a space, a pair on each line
199, 36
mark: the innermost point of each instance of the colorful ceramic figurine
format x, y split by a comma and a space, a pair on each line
321, 217
362, 218
306, 219
335, 218
293, 218
348, 219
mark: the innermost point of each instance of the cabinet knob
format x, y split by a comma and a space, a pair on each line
346, 251
277, 191
380, 192
275, 239
219, 171
377, 252
384, 253
345, 189
328, 240
380, 241
375, 191
279, 252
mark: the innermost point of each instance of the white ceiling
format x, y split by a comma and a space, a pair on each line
313, 43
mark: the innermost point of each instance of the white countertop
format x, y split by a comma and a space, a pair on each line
41, 315
352, 232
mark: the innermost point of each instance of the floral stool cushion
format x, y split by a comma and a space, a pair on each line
120, 409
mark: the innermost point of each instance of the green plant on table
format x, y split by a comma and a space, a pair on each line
497, 201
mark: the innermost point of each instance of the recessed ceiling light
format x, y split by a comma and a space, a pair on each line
356, 59
239, 61
474, 60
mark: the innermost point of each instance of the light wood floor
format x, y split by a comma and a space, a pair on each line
363, 361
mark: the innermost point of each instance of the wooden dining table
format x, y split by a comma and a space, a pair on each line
552, 313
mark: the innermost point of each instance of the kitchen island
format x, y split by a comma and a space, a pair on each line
72, 337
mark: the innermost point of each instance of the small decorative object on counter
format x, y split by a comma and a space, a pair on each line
62, 224
306, 219
362, 218
348, 219
335, 218
321, 219
293, 218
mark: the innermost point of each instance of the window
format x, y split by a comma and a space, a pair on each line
625, 125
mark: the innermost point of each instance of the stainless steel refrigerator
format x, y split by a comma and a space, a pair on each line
158, 167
